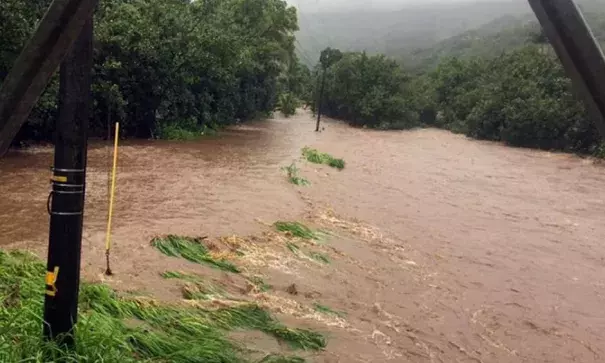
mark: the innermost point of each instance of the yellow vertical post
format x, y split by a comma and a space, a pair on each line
111, 197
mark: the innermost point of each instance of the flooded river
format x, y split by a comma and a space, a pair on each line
511, 242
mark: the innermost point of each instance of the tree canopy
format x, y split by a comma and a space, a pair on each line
174, 68
521, 97
162, 65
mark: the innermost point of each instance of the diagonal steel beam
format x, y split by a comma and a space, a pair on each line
36, 64
580, 53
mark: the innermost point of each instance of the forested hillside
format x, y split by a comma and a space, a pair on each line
169, 68
500, 82
397, 30
502, 34
419, 33
174, 69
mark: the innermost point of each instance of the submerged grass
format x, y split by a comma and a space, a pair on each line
254, 317
195, 288
293, 247
327, 310
321, 257
297, 229
112, 328
181, 276
191, 249
337, 163
292, 172
202, 291
314, 156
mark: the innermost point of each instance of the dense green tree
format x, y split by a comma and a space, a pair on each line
172, 64
522, 98
365, 90
18, 19
329, 57
169, 68
295, 86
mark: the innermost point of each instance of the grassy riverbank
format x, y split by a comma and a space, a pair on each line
124, 328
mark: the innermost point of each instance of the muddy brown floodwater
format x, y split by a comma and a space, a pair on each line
490, 253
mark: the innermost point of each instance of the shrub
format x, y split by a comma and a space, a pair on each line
314, 156
296, 229
522, 98
287, 104
169, 61
367, 91
293, 177
191, 249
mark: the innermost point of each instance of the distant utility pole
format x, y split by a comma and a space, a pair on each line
327, 58
37, 63
578, 50
66, 202
319, 99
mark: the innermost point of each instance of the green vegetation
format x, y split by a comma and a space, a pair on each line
600, 151
407, 31
292, 172
367, 91
337, 163
181, 276
327, 310
299, 230
112, 328
497, 80
314, 156
505, 33
395, 28
521, 97
184, 131
288, 104
179, 70
191, 249
293, 247
172, 68
320, 257
296, 229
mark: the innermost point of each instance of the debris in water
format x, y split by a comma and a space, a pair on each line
292, 290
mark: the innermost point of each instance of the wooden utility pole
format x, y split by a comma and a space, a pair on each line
320, 98
36, 64
327, 58
66, 203
578, 50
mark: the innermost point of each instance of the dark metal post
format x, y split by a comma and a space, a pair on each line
320, 98
38, 62
578, 50
66, 203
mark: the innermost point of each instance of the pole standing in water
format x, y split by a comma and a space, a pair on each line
112, 191
321, 92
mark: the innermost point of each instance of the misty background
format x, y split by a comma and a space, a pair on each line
420, 32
